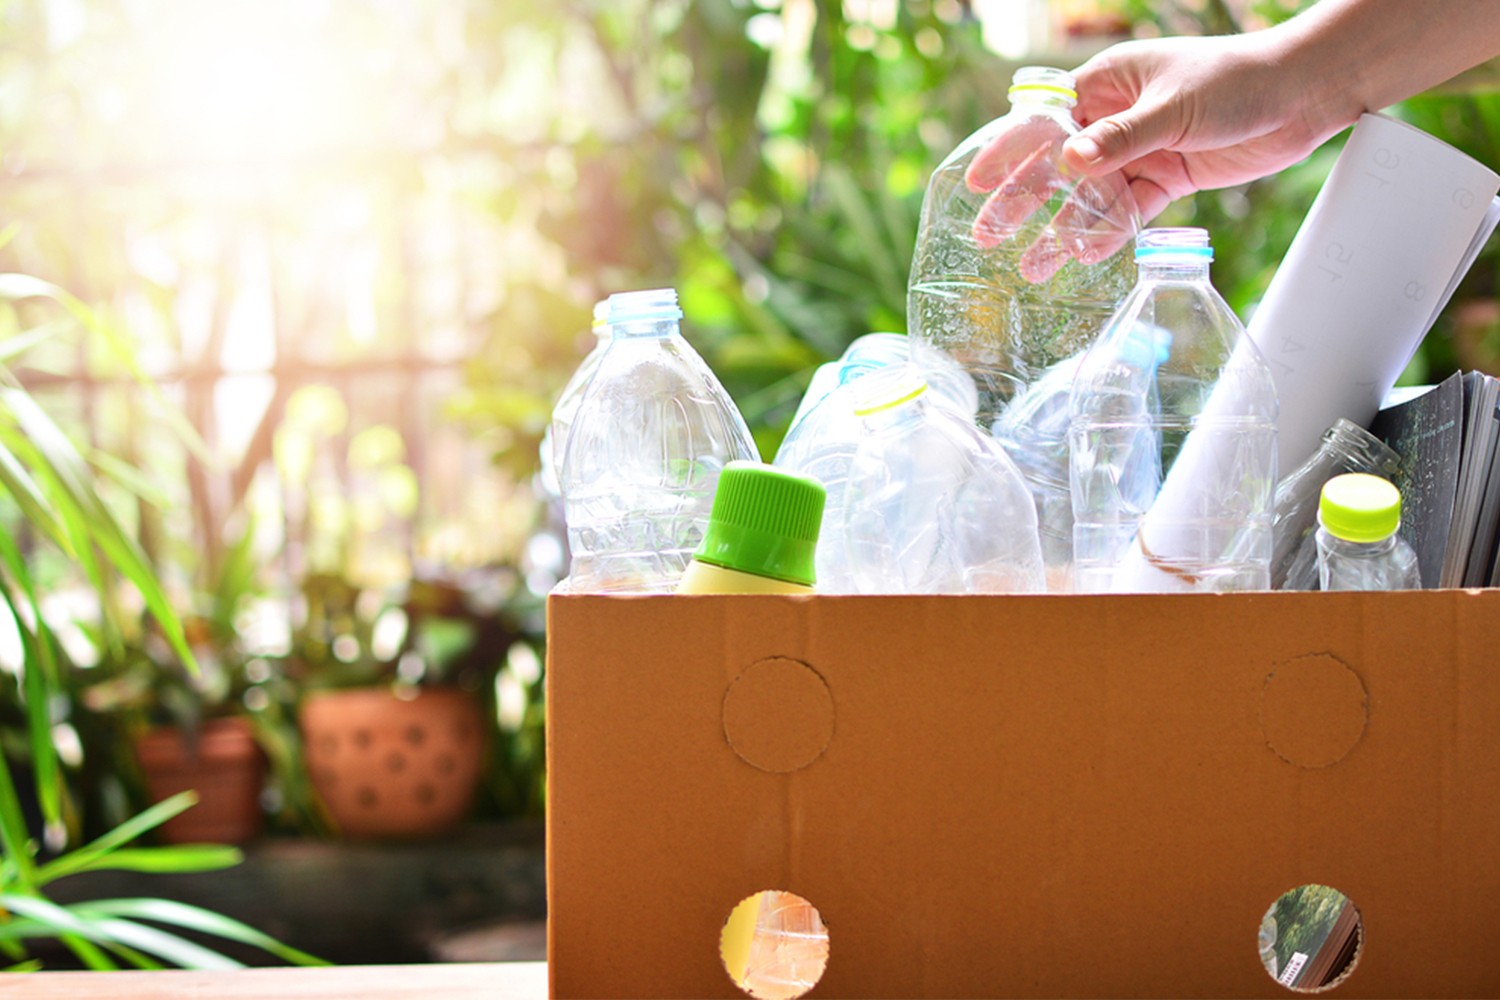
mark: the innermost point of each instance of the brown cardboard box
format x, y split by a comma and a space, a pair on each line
1058, 796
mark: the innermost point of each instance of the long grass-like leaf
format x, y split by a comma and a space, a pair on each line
121, 835
24, 341
20, 286
89, 953
174, 859
72, 475
30, 965
13, 838
28, 496
47, 919
195, 918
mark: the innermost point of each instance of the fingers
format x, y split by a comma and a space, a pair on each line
998, 159
1015, 200
1098, 219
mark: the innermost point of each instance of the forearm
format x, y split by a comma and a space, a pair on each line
1355, 56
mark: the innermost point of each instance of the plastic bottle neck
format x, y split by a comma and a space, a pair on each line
1172, 271
648, 329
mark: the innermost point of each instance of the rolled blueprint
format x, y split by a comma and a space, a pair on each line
1394, 228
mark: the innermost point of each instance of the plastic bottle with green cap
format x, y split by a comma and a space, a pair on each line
933, 505
1358, 547
762, 533
1018, 263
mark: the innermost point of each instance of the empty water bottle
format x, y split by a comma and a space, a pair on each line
933, 505
555, 439
1173, 436
1345, 447
653, 431
1358, 547
1015, 271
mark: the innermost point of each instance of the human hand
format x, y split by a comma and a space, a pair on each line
1022, 170
1178, 115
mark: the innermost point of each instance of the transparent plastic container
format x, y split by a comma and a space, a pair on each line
933, 505
1345, 447
1173, 436
555, 439
1016, 270
949, 383
653, 431
821, 444
1358, 547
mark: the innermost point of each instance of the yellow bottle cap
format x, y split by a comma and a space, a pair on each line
1359, 507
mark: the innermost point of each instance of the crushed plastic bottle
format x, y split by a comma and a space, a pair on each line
1358, 547
821, 444
653, 431
1173, 436
933, 505
1016, 271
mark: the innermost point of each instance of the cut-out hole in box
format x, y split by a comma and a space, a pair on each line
774, 945
1310, 938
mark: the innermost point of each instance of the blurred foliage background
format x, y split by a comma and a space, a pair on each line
356, 245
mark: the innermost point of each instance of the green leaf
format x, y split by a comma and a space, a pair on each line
176, 858
196, 918
24, 341
13, 838
93, 923
24, 490
127, 831
31, 965
24, 286
88, 517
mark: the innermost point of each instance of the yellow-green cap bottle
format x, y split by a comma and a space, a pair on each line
1359, 507
764, 521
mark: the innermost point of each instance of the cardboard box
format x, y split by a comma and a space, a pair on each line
1028, 795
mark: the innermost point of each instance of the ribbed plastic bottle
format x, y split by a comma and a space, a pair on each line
761, 534
1173, 436
555, 440
1358, 547
1345, 447
933, 505
653, 432
1016, 269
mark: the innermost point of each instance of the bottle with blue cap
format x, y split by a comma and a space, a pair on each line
822, 440
1018, 264
1358, 547
933, 505
1172, 436
652, 433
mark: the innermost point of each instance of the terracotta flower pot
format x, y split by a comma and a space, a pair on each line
226, 768
393, 767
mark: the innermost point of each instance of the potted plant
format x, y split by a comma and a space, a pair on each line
392, 722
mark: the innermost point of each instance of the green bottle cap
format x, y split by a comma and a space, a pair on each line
764, 521
1359, 507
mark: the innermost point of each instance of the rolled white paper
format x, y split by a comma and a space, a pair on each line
1393, 228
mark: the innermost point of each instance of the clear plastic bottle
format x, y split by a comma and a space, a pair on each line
555, 438
1015, 271
933, 505
1358, 547
1173, 436
653, 431
949, 383
822, 443
1345, 447
761, 535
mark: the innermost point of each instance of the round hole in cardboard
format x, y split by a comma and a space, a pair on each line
774, 945
778, 715
1313, 710
1311, 938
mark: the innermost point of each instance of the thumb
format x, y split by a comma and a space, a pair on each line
1110, 143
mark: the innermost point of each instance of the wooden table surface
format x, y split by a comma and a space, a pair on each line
459, 981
